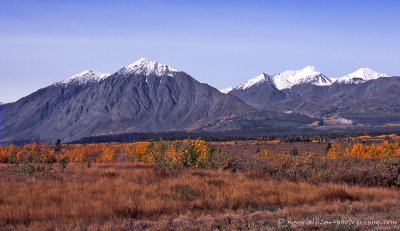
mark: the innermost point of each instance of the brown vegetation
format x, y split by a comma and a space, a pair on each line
136, 196
192, 185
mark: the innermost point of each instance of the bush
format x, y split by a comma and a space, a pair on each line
323, 169
166, 154
294, 151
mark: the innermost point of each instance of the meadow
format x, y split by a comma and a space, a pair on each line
196, 185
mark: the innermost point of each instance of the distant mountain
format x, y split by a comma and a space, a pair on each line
311, 93
259, 92
308, 74
145, 96
359, 76
286, 79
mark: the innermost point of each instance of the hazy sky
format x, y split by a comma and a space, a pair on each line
222, 43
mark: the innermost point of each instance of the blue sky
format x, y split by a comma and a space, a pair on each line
222, 43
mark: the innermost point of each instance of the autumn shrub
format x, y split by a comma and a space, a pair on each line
358, 150
317, 168
294, 151
166, 154
180, 154
31, 159
266, 152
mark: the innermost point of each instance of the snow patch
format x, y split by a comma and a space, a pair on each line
226, 90
147, 67
290, 78
85, 77
256, 80
308, 74
344, 121
359, 76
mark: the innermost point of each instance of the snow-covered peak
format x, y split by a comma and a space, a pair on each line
262, 77
147, 67
308, 74
226, 90
360, 75
290, 78
85, 77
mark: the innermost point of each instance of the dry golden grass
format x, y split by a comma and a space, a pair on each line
120, 196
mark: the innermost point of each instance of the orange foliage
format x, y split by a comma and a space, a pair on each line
175, 154
358, 150
364, 137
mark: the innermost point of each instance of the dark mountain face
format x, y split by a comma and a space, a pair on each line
119, 103
262, 95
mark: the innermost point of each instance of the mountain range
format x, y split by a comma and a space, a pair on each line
309, 74
147, 96
362, 97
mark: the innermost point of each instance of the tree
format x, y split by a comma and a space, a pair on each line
294, 151
328, 147
58, 147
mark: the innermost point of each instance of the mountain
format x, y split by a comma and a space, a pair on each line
308, 74
360, 75
264, 91
373, 100
286, 79
145, 96
259, 92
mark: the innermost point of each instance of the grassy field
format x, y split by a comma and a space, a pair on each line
251, 189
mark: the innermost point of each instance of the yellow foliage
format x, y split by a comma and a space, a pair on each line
266, 152
169, 154
364, 137
359, 150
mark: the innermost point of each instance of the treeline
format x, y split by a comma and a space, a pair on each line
283, 135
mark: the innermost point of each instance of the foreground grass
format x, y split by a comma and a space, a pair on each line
134, 196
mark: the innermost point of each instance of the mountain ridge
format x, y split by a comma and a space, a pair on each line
308, 74
147, 96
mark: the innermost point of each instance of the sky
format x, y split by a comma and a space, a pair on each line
222, 43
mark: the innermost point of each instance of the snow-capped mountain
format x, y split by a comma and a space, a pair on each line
139, 98
85, 77
288, 79
147, 67
261, 78
142, 66
360, 75
308, 74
